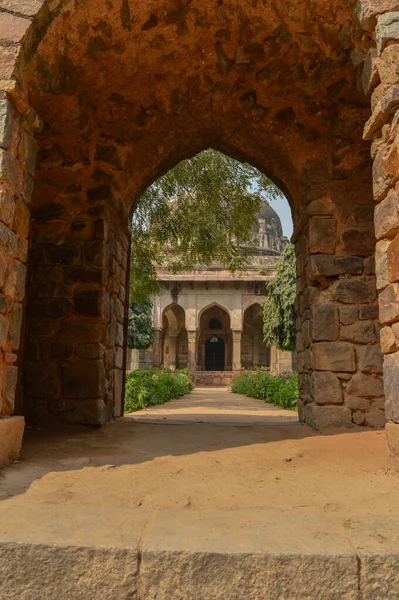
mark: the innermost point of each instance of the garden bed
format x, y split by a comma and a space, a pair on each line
149, 387
281, 390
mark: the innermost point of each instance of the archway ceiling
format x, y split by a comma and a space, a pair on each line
136, 87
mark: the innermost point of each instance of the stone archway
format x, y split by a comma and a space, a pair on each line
102, 94
254, 352
175, 343
215, 342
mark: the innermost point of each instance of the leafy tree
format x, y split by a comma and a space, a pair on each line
140, 333
200, 212
279, 306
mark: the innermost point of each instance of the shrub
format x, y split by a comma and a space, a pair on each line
148, 387
281, 390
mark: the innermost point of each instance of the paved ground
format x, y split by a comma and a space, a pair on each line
212, 450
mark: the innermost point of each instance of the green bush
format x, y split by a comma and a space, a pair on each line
281, 390
148, 387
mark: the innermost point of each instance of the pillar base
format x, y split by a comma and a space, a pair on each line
11, 432
392, 431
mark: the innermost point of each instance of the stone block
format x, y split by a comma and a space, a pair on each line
367, 11
7, 205
13, 28
89, 302
334, 356
386, 216
393, 260
369, 311
50, 309
365, 386
389, 342
392, 431
359, 418
90, 351
381, 263
15, 283
11, 433
4, 324
348, 314
385, 170
88, 412
10, 384
324, 417
84, 379
357, 403
322, 235
324, 322
322, 266
62, 255
211, 555
9, 169
387, 29
362, 332
389, 303
358, 241
8, 240
370, 359
6, 123
370, 75
391, 385
386, 66
376, 418
326, 388
354, 291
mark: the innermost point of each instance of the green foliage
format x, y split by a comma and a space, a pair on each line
148, 387
140, 333
279, 306
281, 390
200, 212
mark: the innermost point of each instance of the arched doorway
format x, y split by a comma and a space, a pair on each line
254, 352
214, 354
215, 339
174, 337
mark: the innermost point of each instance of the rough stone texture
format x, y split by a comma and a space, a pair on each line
179, 560
255, 70
391, 385
387, 29
386, 216
389, 303
326, 388
324, 417
11, 432
334, 356
392, 431
370, 359
365, 386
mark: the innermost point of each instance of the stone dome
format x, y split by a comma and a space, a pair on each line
269, 219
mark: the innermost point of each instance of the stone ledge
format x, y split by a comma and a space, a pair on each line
75, 552
11, 432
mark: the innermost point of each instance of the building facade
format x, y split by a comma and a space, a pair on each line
210, 320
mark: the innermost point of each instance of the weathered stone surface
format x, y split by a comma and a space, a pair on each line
194, 564
334, 356
11, 432
376, 418
324, 322
357, 403
370, 75
323, 417
367, 11
322, 266
370, 359
358, 241
84, 379
353, 291
369, 311
6, 120
389, 303
366, 386
392, 431
359, 332
348, 314
386, 106
387, 29
12, 28
389, 342
326, 388
381, 263
322, 235
393, 260
391, 384
386, 216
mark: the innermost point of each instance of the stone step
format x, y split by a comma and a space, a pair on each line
88, 552
212, 378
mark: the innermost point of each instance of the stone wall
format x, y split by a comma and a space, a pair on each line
381, 80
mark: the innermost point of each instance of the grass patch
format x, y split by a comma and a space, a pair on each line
281, 390
149, 387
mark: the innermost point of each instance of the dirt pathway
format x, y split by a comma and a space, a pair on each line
211, 450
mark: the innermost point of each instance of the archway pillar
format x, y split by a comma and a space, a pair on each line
192, 338
237, 338
256, 350
157, 348
382, 129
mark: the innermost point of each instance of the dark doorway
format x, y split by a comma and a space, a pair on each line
214, 354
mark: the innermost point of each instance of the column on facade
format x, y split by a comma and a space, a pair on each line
172, 351
157, 348
192, 350
256, 350
237, 336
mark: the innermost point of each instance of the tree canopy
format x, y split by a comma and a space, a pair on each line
279, 306
140, 332
200, 212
